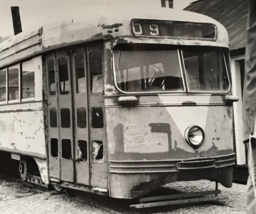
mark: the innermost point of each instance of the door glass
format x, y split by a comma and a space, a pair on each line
66, 149
63, 75
81, 117
97, 117
51, 77
65, 117
80, 74
53, 117
54, 147
95, 61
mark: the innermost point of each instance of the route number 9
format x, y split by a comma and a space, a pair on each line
153, 30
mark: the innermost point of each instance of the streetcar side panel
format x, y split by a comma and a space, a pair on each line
22, 117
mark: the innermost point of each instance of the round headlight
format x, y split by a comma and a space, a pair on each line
194, 135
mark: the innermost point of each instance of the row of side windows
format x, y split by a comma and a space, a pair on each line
17, 82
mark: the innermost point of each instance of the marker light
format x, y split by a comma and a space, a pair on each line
194, 135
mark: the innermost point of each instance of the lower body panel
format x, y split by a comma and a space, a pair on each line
132, 179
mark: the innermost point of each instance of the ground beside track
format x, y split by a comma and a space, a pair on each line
20, 199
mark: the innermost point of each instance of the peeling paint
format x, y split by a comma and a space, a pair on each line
117, 25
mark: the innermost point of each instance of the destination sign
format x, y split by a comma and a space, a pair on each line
174, 29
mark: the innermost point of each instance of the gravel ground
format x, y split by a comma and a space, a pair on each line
17, 198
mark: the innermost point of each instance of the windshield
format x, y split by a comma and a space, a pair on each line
141, 71
160, 70
205, 70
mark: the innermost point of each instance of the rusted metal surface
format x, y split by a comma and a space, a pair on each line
145, 149
182, 199
76, 28
135, 185
22, 130
43, 169
138, 128
178, 196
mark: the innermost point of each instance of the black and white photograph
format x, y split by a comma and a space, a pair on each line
127, 106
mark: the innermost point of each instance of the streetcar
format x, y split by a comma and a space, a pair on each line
118, 100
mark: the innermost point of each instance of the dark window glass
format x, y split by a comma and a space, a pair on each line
97, 118
53, 117
82, 146
13, 73
66, 149
65, 117
95, 61
3, 85
28, 79
51, 77
54, 147
81, 117
63, 75
80, 74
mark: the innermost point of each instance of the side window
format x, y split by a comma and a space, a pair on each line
95, 62
3, 85
63, 75
28, 80
51, 77
13, 83
80, 74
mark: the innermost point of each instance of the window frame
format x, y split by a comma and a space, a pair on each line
21, 82
152, 92
6, 86
212, 92
184, 79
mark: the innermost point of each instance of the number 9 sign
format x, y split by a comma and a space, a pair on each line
154, 30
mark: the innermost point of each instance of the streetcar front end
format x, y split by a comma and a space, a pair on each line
168, 107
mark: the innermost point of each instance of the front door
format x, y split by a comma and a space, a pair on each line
80, 112
60, 121
67, 116
77, 151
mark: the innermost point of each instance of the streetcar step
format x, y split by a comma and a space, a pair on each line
184, 198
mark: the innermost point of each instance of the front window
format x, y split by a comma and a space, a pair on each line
144, 71
160, 71
206, 70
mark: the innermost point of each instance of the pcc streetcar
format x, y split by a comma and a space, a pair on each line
118, 101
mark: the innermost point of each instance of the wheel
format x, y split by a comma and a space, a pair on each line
57, 188
23, 169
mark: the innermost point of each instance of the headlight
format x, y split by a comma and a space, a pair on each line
194, 135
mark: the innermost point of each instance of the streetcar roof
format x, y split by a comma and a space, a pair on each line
94, 22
